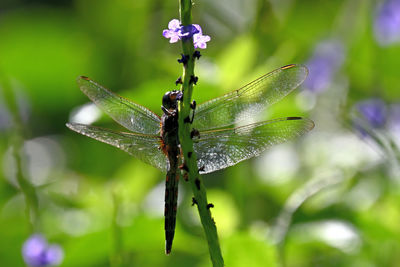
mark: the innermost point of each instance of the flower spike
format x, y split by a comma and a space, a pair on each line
176, 32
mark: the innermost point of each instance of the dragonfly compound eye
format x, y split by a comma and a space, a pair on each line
170, 99
166, 100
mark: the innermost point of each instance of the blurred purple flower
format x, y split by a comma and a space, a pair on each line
394, 123
199, 39
387, 22
176, 32
373, 111
327, 59
37, 252
394, 118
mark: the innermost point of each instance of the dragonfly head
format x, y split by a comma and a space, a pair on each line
170, 99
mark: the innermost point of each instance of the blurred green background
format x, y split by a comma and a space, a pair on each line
330, 198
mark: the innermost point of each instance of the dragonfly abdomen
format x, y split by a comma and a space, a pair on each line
171, 202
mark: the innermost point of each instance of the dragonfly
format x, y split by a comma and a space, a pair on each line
221, 140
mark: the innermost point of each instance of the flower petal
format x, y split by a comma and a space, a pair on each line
197, 26
174, 39
200, 41
174, 24
166, 33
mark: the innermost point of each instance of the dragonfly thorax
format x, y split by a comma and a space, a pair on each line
170, 99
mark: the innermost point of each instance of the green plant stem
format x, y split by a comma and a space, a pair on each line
117, 259
17, 142
190, 158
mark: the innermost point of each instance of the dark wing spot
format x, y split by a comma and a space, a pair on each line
288, 66
293, 118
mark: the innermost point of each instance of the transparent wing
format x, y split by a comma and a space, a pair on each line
219, 149
142, 146
249, 100
130, 115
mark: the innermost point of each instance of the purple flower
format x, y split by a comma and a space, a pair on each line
200, 40
176, 32
37, 252
387, 22
188, 31
373, 111
327, 58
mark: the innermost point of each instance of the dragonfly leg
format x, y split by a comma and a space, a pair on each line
193, 105
166, 111
194, 133
210, 205
184, 167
